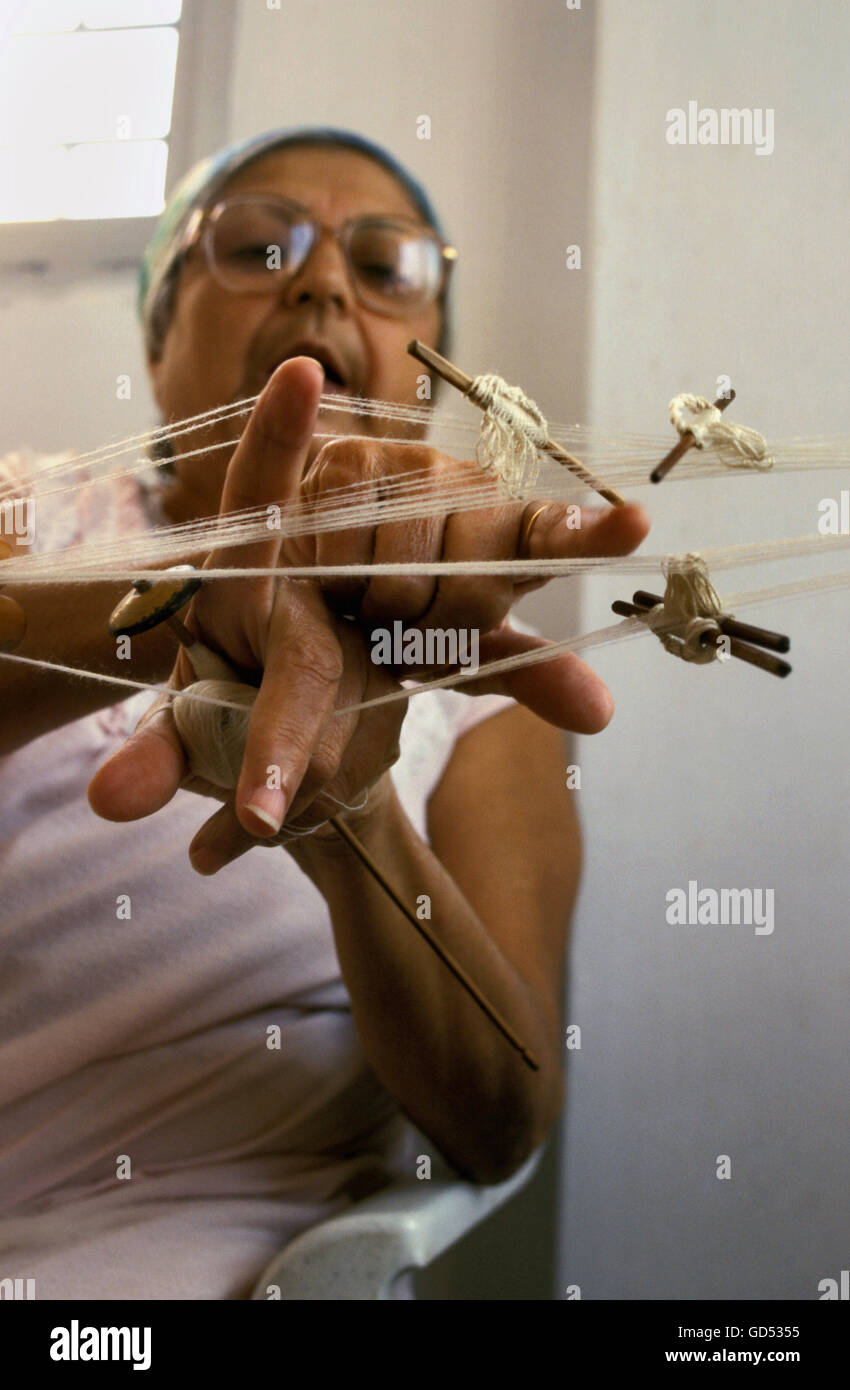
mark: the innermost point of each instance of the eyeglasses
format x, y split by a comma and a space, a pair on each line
254, 245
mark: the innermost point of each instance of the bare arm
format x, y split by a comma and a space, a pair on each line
67, 624
502, 876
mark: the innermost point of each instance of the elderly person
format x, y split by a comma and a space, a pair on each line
206, 1052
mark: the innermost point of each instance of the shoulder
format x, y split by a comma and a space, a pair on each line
69, 502
23, 471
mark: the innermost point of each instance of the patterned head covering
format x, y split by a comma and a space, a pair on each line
198, 188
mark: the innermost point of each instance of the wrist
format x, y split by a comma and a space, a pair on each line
367, 822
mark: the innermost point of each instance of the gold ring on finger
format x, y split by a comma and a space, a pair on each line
525, 533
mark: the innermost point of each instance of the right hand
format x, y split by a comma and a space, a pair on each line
281, 634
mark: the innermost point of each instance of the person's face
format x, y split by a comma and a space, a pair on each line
222, 346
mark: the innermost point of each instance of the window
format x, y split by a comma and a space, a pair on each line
85, 108
103, 106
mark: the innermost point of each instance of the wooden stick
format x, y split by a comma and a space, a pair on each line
181, 632
756, 657
457, 970
455, 377
760, 636
624, 609
741, 650
685, 443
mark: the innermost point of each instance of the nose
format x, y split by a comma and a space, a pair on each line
323, 279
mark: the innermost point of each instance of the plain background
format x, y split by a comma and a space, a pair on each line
548, 129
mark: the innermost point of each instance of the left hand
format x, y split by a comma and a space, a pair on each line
564, 691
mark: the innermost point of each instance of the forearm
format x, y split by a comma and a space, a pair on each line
448, 1067
67, 624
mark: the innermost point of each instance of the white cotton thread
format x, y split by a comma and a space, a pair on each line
512, 431
214, 736
821, 451
358, 805
290, 832
623, 455
616, 632
738, 446
690, 609
88, 568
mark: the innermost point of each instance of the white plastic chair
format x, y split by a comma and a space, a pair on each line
370, 1251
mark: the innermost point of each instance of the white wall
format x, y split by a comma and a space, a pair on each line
490, 74
63, 344
700, 1041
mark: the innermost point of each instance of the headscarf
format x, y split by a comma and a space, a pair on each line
161, 261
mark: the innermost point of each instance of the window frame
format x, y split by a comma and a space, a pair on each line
199, 124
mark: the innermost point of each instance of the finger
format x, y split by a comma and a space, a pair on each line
303, 669
601, 531
220, 841
345, 474
269, 460
565, 691
474, 600
353, 750
144, 774
380, 472
405, 597
352, 753
418, 540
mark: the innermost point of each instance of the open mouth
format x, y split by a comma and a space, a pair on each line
335, 381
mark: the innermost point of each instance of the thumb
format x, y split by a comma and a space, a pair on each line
143, 775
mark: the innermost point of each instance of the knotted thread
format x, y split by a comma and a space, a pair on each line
512, 430
691, 607
738, 446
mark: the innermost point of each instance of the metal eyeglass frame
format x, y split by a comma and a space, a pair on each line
202, 222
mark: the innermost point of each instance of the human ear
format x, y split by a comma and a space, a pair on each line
156, 373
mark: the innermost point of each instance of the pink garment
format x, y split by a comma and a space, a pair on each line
143, 1039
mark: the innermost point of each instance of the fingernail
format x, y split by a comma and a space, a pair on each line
205, 860
268, 806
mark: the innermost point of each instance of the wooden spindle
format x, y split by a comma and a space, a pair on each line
455, 377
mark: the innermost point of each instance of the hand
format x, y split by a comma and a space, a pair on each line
310, 661
563, 691
281, 633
